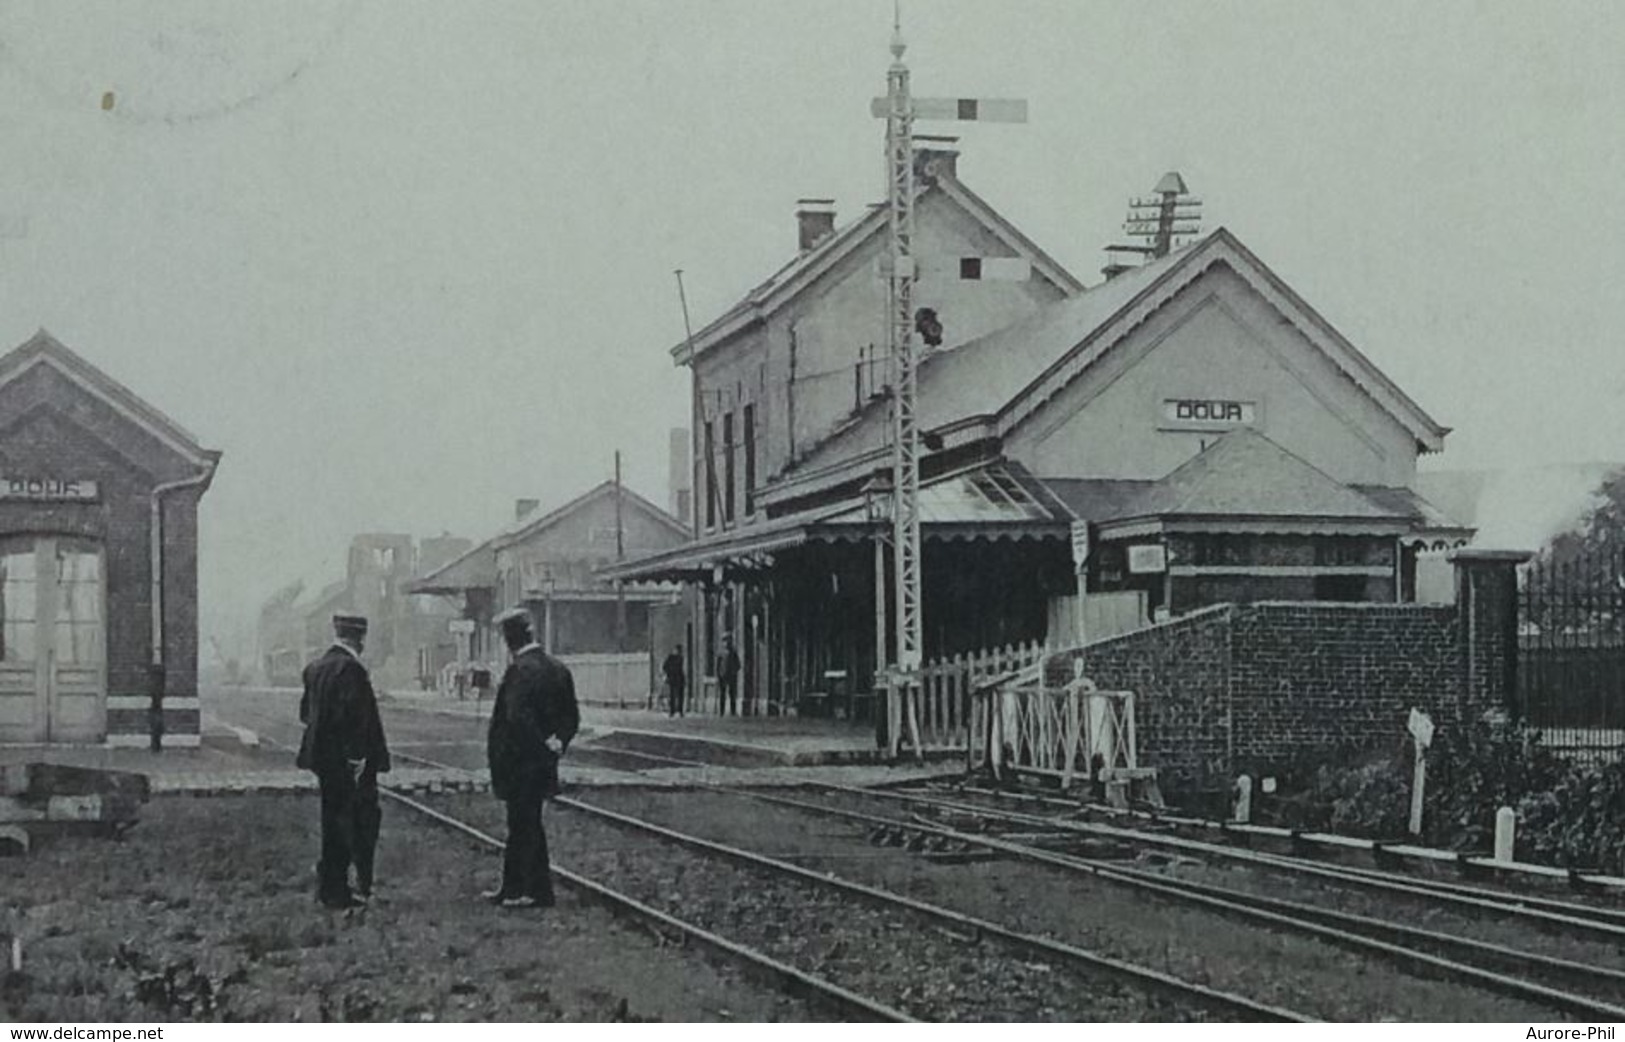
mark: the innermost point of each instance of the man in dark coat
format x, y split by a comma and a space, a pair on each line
532, 722
672, 668
728, 675
344, 745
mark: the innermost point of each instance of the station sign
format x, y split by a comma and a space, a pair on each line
1080, 544
1147, 559
44, 489
1208, 414
461, 625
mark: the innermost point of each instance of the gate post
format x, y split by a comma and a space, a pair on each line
1487, 628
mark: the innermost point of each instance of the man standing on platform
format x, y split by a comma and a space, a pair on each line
344, 745
532, 722
676, 682
728, 675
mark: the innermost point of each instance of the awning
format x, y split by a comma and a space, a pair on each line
997, 500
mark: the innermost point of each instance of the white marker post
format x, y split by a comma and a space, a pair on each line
1244, 799
1506, 821
1421, 729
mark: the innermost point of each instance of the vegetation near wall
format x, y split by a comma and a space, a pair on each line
1568, 815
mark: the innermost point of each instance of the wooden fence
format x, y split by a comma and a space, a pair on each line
933, 705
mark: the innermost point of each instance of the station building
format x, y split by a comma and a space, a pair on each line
547, 562
1186, 433
98, 557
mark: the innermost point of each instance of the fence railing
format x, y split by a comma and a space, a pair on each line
1073, 731
1571, 652
930, 710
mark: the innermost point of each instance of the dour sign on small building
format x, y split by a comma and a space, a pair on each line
98, 557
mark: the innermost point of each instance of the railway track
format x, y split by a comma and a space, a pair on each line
1045, 986
1551, 913
1532, 976
1547, 980
816, 988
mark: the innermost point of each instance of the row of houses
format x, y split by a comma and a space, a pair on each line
1186, 432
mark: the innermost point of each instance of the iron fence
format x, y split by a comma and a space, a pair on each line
1571, 652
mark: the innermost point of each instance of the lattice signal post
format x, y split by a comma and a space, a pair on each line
900, 109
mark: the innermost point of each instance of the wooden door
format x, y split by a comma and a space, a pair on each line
23, 713
74, 601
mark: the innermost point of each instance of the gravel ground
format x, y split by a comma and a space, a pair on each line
899, 957
1280, 968
205, 912
1287, 885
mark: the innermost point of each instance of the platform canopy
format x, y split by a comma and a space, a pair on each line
991, 500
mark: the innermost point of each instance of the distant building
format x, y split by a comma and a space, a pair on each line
98, 557
408, 641
548, 563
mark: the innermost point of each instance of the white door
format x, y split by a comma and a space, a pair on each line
53, 673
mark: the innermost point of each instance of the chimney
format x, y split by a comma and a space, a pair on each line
935, 161
523, 508
679, 475
815, 222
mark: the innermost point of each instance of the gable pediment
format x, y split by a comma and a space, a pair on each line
43, 374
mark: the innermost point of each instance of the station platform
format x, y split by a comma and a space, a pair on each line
737, 741
241, 752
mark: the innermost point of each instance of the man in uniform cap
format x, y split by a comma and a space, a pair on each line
532, 722
344, 745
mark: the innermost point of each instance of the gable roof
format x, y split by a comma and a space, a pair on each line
42, 349
476, 567
529, 525
796, 276
1005, 376
472, 569
1244, 473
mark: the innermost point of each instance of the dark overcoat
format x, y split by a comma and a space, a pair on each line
340, 714
535, 701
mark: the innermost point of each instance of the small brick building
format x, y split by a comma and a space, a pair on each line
98, 557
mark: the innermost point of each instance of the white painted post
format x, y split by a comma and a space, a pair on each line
1420, 726
1244, 799
17, 954
1506, 821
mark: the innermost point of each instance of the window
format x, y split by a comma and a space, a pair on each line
710, 477
728, 467
1340, 588
750, 459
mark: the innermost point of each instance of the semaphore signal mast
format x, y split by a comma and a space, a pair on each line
900, 109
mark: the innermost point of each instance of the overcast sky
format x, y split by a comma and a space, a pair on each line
404, 262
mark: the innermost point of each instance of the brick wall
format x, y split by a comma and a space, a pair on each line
1250, 687
49, 426
1308, 677
1179, 672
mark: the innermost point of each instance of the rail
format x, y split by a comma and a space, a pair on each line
1400, 942
1043, 946
791, 977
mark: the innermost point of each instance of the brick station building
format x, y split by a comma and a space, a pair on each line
98, 557
1093, 461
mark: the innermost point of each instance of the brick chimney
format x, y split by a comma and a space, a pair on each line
932, 162
523, 508
682, 496
815, 222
